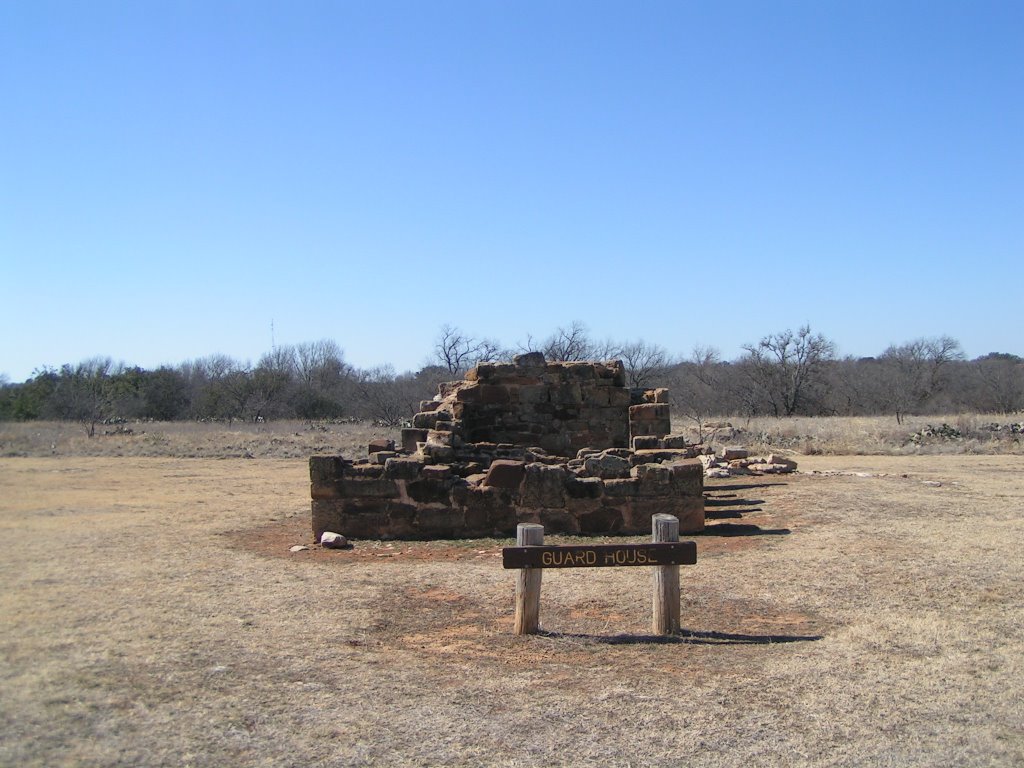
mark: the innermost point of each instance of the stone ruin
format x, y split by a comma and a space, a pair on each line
564, 444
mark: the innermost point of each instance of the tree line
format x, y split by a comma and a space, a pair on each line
782, 374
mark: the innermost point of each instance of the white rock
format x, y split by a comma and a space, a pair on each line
718, 472
730, 453
775, 458
298, 548
333, 540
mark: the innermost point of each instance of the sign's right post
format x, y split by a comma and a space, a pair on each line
665, 618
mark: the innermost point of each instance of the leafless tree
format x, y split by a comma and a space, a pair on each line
697, 390
458, 351
1001, 380
569, 344
387, 397
644, 362
86, 392
915, 372
787, 368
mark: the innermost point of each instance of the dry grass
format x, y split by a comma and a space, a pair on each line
152, 615
299, 439
869, 435
186, 439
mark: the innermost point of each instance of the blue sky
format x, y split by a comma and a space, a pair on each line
176, 176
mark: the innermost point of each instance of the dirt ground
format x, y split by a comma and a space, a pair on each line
865, 611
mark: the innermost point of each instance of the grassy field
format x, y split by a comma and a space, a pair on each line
865, 611
867, 435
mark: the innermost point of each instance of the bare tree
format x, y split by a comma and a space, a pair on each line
388, 398
697, 388
569, 343
787, 368
1000, 377
915, 372
644, 362
86, 392
458, 351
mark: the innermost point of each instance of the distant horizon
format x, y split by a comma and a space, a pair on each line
178, 176
424, 361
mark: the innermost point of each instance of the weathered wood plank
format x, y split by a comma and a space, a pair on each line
600, 555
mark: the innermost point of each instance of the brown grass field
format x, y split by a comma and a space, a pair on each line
868, 610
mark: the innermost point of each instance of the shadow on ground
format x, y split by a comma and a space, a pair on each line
724, 502
687, 637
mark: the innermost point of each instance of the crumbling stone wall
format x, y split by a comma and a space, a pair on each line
560, 407
527, 441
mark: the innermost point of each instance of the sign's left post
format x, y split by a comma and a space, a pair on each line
528, 582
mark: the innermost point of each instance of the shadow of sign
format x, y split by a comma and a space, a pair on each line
687, 637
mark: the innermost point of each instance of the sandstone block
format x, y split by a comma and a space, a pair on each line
674, 441
529, 360
427, 419
687, 477
649, 412
658, 395
446, 522
619, 488
436, 472
584, 487
533, 393
493, 394
439, 437
601, 520
646, 442
429, 491
651, 456
381, 457
505, 473
360, 487
606, 466
618, 398
543, 486
401, 468
325, 469
364, 470
730, 453
411, 436
401, 518
379, 444
652, 473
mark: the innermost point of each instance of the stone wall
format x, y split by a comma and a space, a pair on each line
406, 498
494, 450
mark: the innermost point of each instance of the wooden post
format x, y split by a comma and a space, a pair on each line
665, 619
528, 582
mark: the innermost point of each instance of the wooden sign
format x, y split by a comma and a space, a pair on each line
600, 555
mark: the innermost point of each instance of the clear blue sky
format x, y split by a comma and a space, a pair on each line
175, 176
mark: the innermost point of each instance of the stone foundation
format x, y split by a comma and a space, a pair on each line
464, 469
